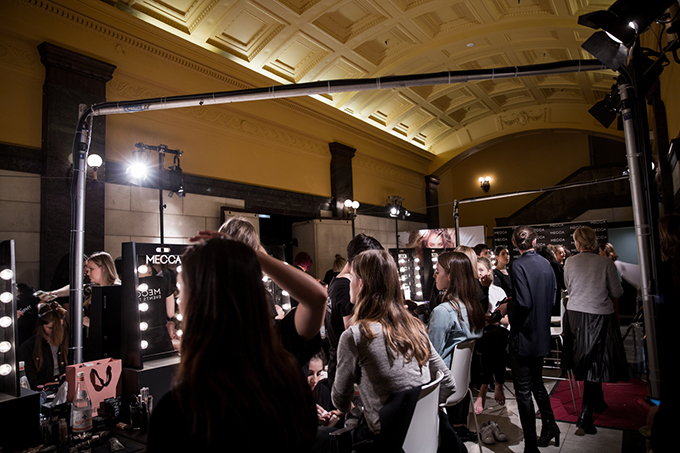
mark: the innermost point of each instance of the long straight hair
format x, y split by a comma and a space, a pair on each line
233, 364
50, 312
380, 301
463, 287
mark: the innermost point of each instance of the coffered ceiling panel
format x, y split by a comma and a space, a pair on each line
296, 41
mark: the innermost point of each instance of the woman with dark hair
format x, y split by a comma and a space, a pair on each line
591, 325
388, 344
529, 313
457, 318
501, 273
45, 354
229, 381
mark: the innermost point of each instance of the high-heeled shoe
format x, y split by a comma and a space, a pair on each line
584, 424
549, 432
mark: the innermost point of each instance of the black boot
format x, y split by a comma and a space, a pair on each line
585, 422
549, 432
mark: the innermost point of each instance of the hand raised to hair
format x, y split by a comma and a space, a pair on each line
206, 235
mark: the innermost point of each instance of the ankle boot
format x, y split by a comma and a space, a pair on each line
585, 422
549, 432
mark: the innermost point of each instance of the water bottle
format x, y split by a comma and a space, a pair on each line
82, 406
43, 395
23, 380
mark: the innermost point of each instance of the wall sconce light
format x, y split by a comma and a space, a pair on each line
352, 206
485, 183
94, 161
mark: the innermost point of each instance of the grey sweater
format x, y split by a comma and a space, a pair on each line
591, 282
380, 375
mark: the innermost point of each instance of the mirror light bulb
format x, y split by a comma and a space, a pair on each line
5, 346
145, 344
143, 287
5, 369
6, 274
143, 326
143, 306
5, 321
6, 297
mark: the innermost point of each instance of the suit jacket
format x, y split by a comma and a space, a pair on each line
534, 286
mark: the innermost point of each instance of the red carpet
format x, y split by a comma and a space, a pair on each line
626, 400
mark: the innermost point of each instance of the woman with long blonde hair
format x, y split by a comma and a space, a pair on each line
388, 344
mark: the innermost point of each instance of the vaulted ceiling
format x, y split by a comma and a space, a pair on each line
296, 41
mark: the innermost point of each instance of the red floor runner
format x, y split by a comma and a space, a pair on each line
626, 400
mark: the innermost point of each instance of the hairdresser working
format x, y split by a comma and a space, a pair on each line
591, 325
534, 285
236, 381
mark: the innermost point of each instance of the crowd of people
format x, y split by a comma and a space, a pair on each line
243, 362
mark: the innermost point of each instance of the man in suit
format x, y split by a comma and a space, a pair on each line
534, 285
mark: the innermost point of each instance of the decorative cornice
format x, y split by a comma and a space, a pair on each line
392, 171
523, 117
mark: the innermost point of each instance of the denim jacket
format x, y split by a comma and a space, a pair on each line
447, 329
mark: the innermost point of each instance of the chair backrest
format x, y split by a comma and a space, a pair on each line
557, 327
460, 368
423, 432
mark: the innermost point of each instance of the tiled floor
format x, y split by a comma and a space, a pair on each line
605, 441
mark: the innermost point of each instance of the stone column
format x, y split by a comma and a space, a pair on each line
71, 79
342, 187
432, 200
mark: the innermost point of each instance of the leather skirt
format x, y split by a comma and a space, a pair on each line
593, 348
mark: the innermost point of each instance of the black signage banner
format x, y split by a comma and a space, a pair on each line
551, 234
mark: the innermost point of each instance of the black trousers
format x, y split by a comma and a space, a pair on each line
527, 375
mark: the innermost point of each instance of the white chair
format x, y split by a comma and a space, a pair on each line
556, 332
423, 431
460, 368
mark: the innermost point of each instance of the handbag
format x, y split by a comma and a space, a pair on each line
102, 379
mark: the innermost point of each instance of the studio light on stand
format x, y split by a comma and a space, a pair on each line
172, 178
396, 209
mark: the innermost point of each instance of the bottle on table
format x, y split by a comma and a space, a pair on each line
23, 380
82, 406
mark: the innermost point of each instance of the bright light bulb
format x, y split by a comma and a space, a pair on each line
179, 317
143, 287
145, 344
137, 170
355, 205
179, 269
348, 203
5, 321
6, 297
179, 333
285, 293
143, 306
6, 274
94, 160
5, 369
143, 269
143, 326
5, 346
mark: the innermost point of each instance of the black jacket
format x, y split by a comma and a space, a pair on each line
45, 373
534, 286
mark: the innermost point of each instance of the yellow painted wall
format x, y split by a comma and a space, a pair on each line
281, 144
530, 161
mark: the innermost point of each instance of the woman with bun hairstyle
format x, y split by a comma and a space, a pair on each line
529, 312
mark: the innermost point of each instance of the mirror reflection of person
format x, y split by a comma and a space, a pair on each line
158, 294
45, 354
101, 271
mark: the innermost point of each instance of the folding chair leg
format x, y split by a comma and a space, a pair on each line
474, 414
